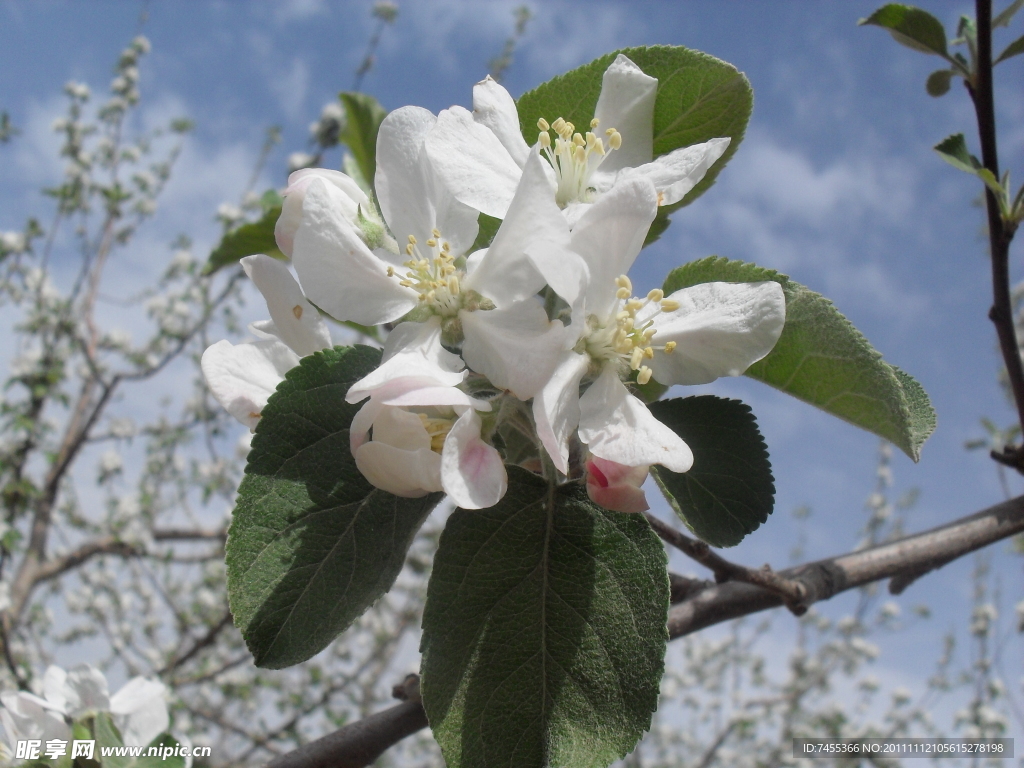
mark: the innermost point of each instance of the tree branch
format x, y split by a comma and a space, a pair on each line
360, 743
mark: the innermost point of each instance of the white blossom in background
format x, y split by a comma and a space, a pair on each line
480, 155
243, 376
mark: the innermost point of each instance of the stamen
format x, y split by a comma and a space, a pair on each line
594, 123
542, 124
644, 375
656, 295
669, 346
669, 305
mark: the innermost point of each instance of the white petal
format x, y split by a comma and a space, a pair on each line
412, 198
140, 710
338, 272
359, 429
296, 321
720, 329
495, 108
409, 474
626, 104
432, 396
610, 235
242, 376
676, 173
291, 210
516, 348
55, 689
471, 470
471, 162
618, 427
556, 408
401, 429
413, 351
86, 691
534, 223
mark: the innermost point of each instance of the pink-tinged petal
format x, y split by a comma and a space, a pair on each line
291, 210
413, 351
359, 429
720, 329
626, 104
609, 236
296, 321
495, 108
615, 486
412, 197
409, 474
676, 173
618, 427
242, 376
506, 274
422, 396
402, 429
556, 408
516, 348
470, 161
471, 470
337, 270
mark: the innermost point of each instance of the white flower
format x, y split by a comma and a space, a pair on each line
703, 332
426, 431
480, 155
139, 711
243, 376
351, 203
347, 278
26, 716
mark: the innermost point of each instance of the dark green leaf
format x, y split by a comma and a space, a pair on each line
730, 490
248, 239
912, 27
953, 149
938, 82
488, 228
822, 359
1003, 18
699, 98
1013, 49
312, 544
364, 115
544, 630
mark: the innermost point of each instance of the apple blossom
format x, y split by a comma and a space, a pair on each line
616, 486
243, 376
480, 155
703, 332
425, 430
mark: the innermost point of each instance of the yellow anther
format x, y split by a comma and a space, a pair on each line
453, 285
544, 138
649, 334
558, 125
610, 131
578, 140
410, 249
649, 353
669, 305
297, 311
435, 232
633, 305
432, 243
391, 271
570, 129
405, 284
635, 358
594, 123
669, 346
621, 315
412, 240
656, 295
644, 375
623, 293
615, 140
445, 247
580, 154
543, 124
624, 282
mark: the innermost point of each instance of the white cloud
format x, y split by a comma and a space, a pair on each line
299, 10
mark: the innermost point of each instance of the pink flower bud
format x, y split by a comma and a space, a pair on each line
616, 486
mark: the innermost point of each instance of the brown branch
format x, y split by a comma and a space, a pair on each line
359, 744
206, 640
791, 592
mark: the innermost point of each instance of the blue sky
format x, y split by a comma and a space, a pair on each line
836, 185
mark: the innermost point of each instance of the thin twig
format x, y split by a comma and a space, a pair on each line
791, 592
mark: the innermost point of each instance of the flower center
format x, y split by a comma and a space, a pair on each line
438, 429
436, 278
575, 157
619, 338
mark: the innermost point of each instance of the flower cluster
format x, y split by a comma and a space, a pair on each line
537, 339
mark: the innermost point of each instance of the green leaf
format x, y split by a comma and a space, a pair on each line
938, 82
248, 239
312, 544
699, 98
488, 228
912, 27
365, 115
1003, 18
953, 149
822, 359
544, 630
1013, 49
730, 490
